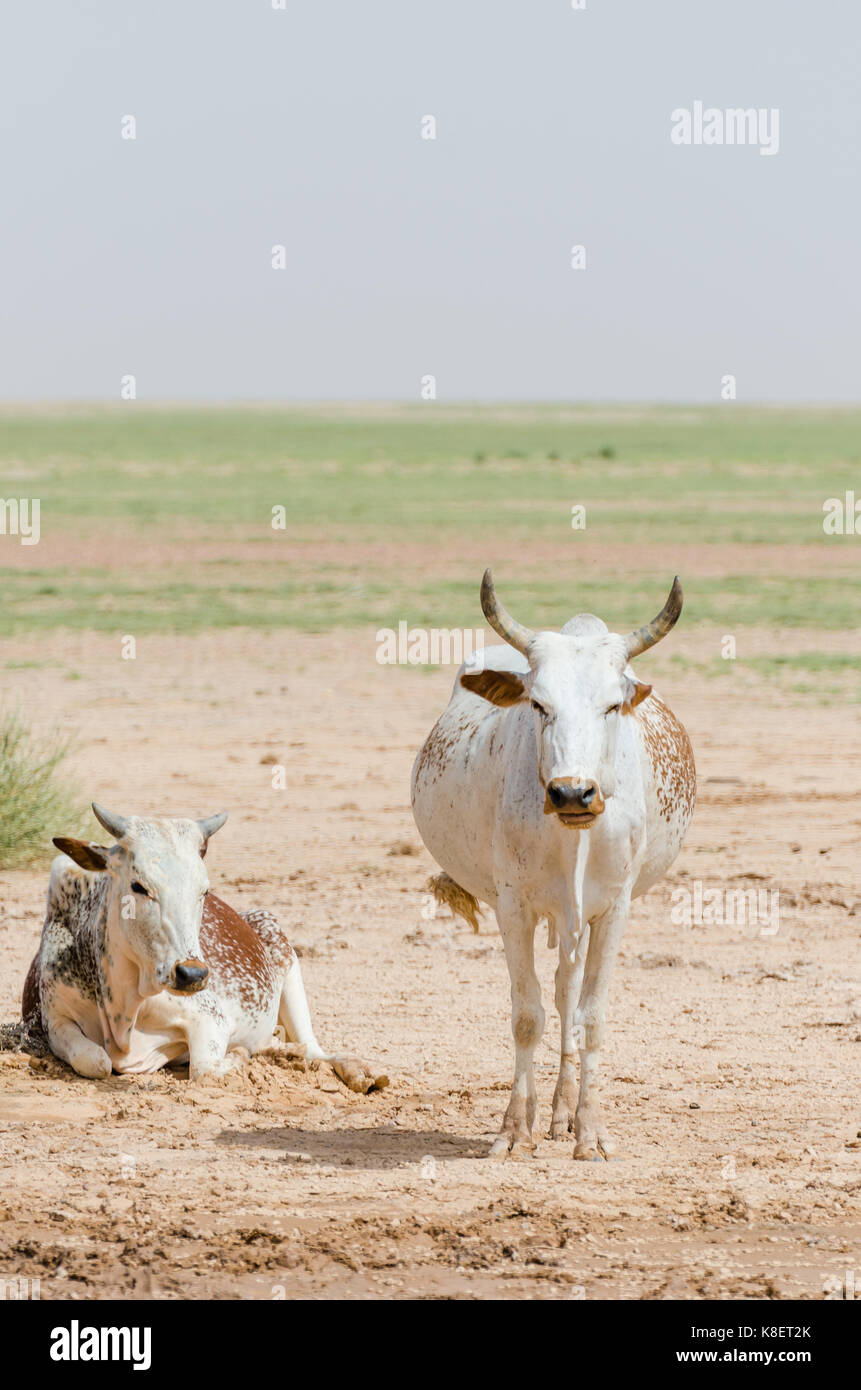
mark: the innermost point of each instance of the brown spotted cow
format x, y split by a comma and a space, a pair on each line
141, 966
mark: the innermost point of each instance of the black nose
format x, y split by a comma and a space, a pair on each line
190, 977
564, 795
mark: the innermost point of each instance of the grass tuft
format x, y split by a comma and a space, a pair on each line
36, 796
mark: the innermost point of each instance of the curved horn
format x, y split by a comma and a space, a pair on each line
211, 824
115, 825
644, 637
508, 628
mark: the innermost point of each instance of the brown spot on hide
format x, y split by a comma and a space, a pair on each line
433, 755
672, 759
243, 958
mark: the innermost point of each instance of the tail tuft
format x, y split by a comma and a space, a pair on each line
450, 894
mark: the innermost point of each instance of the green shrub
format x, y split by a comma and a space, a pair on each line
36, 797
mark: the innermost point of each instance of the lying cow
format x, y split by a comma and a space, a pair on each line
556, 785
140, 966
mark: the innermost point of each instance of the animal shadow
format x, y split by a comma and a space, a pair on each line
376, 1148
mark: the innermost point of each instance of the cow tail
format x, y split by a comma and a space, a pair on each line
450, 894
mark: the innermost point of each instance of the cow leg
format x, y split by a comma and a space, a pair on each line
208, 1037
203, 1065
295, 1016
605, 934
69, 1043
569, 980
527, 1025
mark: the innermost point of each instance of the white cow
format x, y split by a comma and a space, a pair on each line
140, 966
556, 785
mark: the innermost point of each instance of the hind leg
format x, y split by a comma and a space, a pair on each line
295, 1016
517, 925
293, 1012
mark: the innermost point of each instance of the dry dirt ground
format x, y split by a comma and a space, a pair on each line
731, 1065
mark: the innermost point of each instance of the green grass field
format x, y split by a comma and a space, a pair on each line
160, 519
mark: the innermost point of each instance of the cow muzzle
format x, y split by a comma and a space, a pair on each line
188, 977
575, 803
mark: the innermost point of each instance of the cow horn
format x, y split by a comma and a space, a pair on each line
508, 628
644, 637
115, 825
211, 824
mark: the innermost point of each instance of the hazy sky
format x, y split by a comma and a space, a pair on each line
302, 127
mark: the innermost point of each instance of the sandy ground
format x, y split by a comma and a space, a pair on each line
731, 1066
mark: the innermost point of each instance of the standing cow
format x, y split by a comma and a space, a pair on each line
141, 966
556, 785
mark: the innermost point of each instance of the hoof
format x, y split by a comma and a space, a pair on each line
595, 1153
508, 1146
358, 1076
521, 1150
587, 1153
560, 1128
95, 1068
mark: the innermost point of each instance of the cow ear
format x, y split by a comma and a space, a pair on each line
501, 688
641, 692
85, 854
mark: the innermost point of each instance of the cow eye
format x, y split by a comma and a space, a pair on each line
539, 709
614, 709
139, 888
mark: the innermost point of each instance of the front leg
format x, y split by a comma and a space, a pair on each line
208, 1035
605, 934
569, 981
517, 925
68, 1042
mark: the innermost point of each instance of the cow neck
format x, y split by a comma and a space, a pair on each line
121, 998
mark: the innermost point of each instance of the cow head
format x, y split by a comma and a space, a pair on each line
158, 881
580, 686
